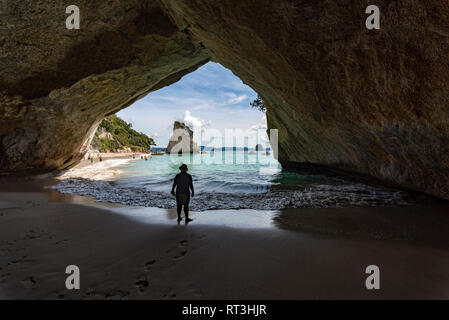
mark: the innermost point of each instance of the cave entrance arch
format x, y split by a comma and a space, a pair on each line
212, 102
373, 104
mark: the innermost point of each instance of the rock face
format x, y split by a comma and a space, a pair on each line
182, 140
96, 144
104, 134
56, 85
371, 102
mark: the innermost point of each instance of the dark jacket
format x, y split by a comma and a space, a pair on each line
183, 184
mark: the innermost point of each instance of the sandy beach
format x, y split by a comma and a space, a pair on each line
108, 156
107, 169
142, 253
112, 155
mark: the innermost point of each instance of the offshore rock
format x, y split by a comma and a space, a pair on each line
182, 140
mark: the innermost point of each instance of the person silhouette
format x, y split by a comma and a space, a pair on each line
183, 184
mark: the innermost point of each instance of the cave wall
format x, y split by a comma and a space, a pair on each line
56, 85
372, 102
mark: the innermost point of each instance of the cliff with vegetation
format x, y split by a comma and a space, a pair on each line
116, 135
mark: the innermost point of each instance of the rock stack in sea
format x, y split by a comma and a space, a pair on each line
182, 140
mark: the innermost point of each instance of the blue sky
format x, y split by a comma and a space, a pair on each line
210, 100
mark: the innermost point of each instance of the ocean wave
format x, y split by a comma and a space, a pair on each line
313, 196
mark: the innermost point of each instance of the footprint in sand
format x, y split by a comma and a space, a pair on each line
29, 282
180, 255
31, 234
149, 265
181, 245
142, 284
4, 276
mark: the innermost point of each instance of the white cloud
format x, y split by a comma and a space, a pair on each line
210, 96
235, 99
261, 126
194, 122
258, 127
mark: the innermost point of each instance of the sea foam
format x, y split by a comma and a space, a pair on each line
314, 196
100, 181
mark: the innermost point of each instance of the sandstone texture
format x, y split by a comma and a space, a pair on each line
369, 102
181, 140
56, 85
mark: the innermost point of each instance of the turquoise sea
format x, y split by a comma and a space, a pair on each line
223, 180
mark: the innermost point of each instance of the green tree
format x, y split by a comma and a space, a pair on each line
259, 104
124, 136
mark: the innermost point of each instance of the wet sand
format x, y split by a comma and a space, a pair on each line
142, 253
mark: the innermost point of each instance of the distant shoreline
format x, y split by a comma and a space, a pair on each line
107, 156
114, 155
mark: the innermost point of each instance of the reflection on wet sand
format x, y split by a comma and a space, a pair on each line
142, 253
